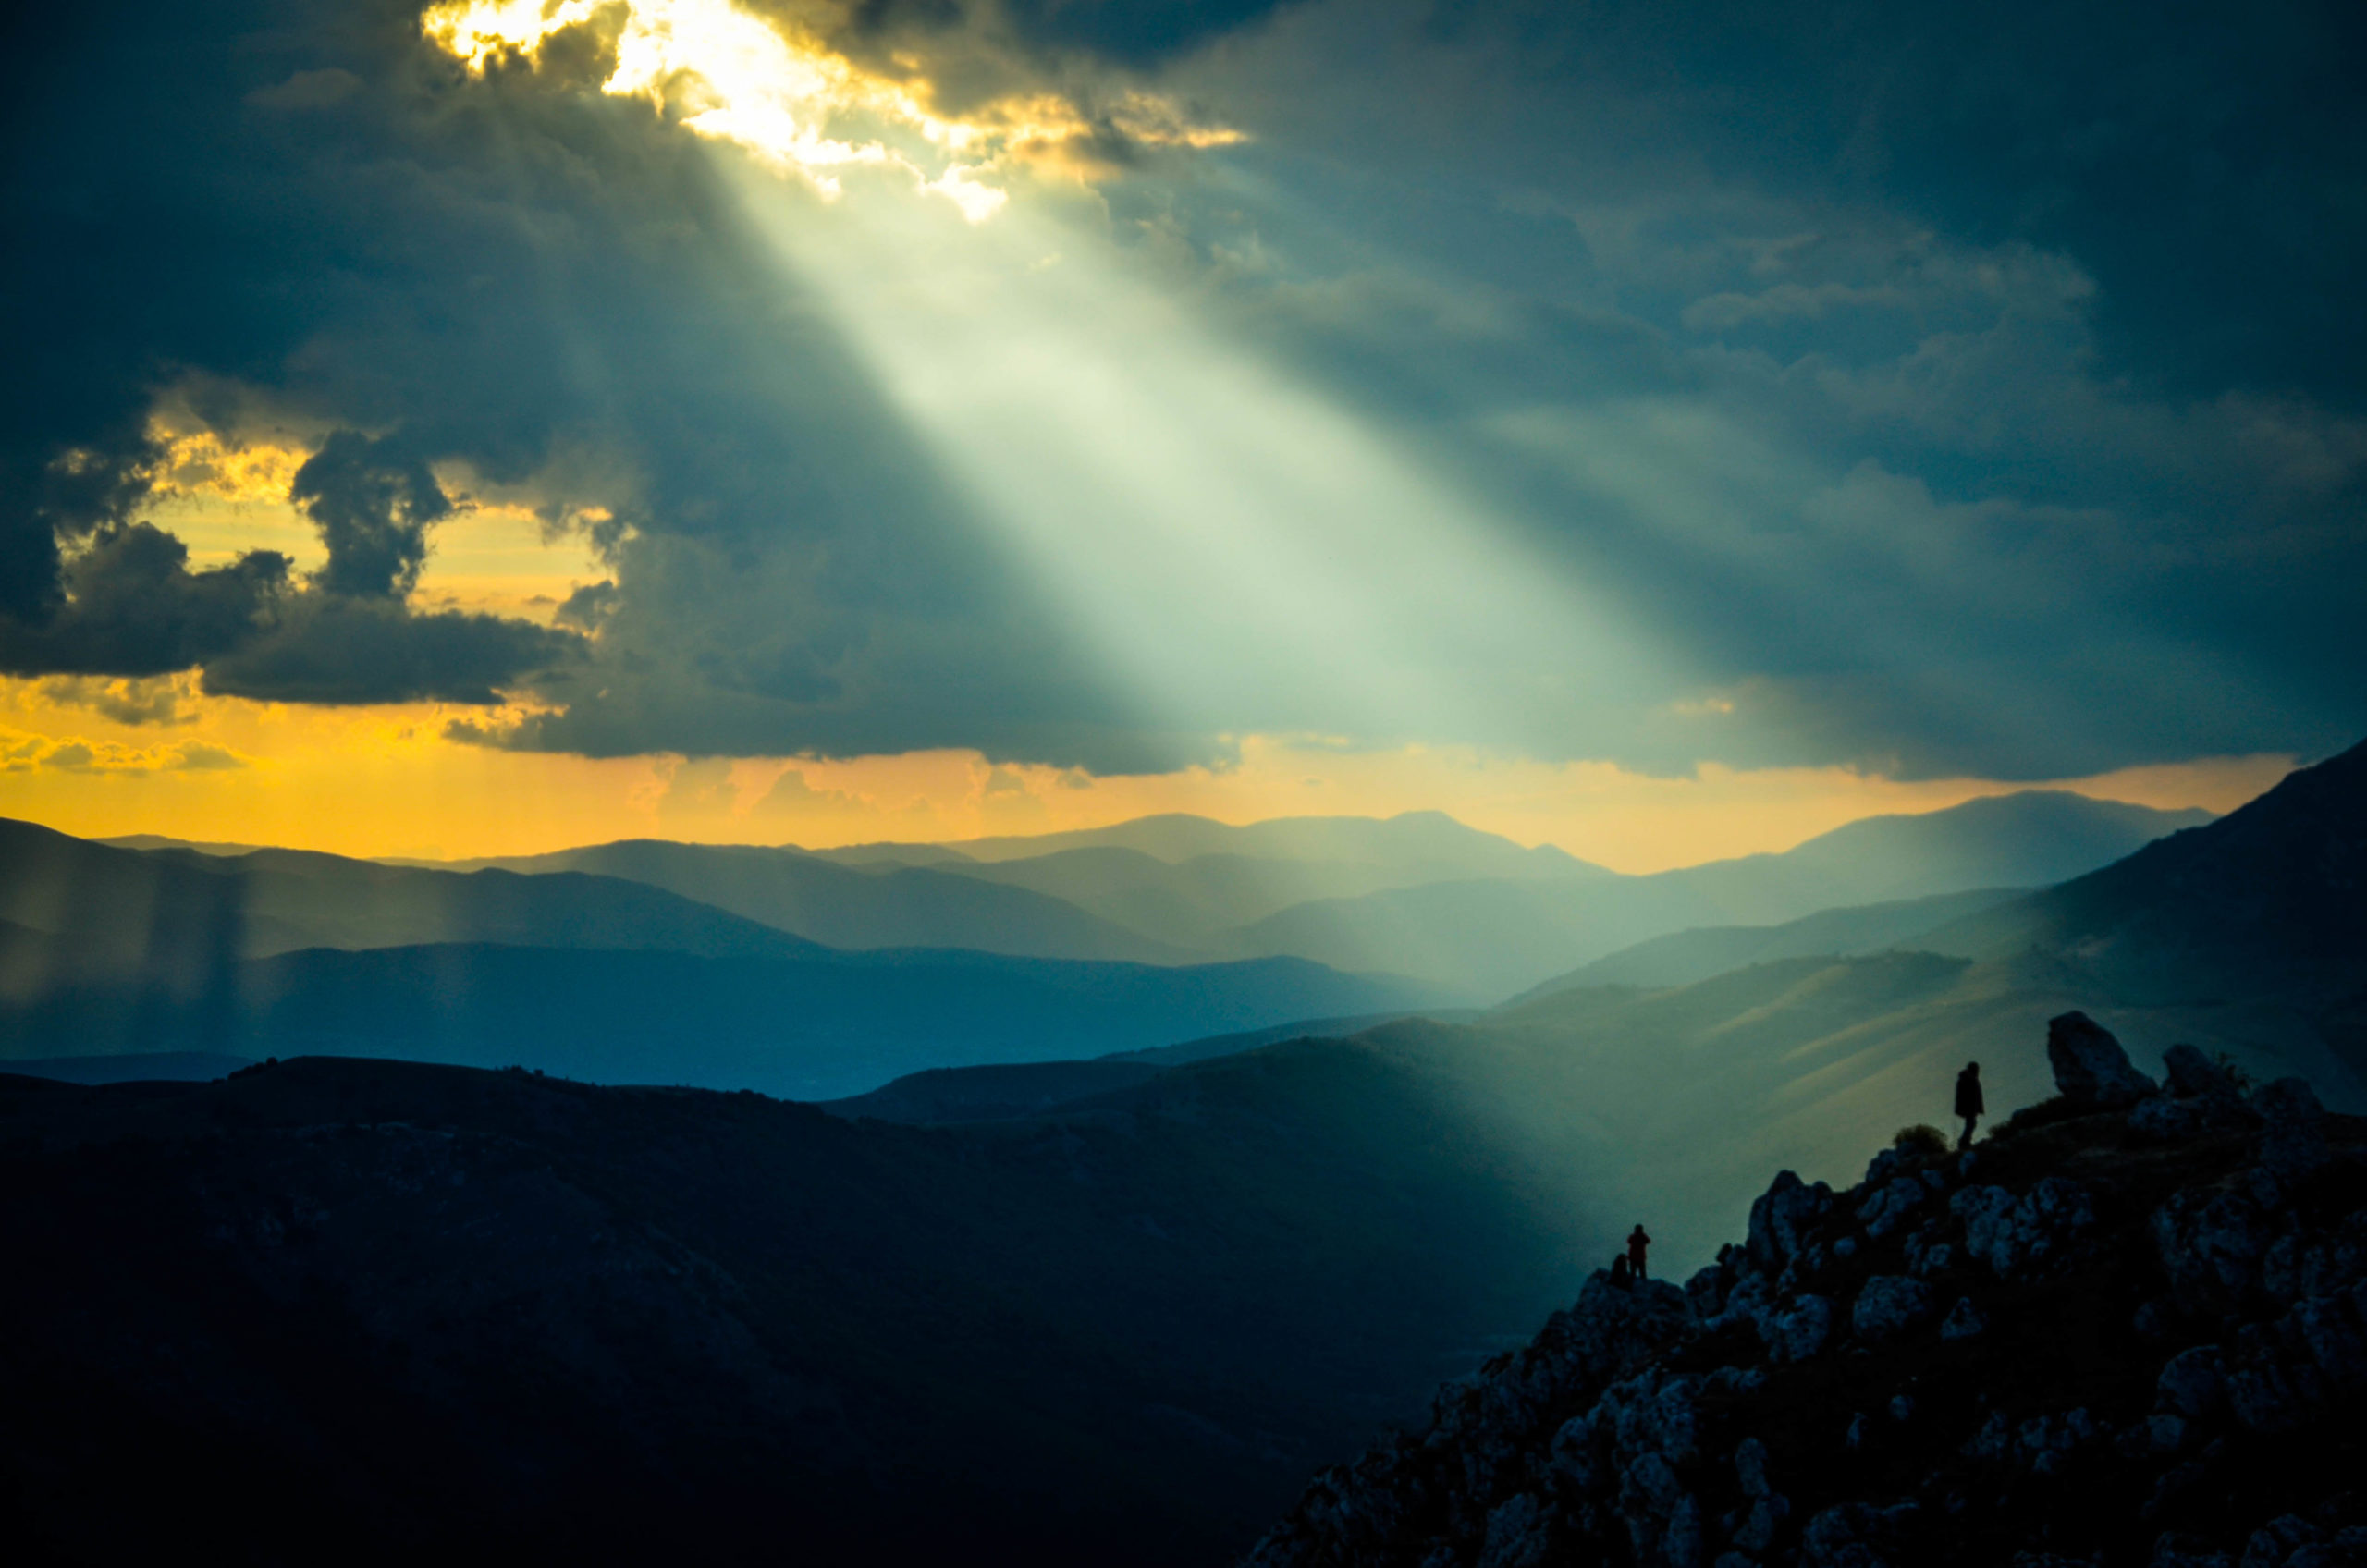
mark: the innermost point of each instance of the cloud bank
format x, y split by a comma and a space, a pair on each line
1940, 394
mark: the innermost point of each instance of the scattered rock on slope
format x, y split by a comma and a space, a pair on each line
2116, 1333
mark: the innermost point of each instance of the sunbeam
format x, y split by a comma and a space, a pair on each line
1215, 524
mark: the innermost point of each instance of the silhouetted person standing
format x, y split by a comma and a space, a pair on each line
1969, 1101
1637, 1242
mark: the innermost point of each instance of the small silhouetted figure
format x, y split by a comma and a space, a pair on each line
1637, 1242
1620, 1279
1969, 1101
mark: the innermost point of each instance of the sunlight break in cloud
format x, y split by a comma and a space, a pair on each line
747, 81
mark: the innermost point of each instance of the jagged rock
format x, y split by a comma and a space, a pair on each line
1518, 1535
2293, 1269
1750, 1295
1799, 1332
2190, 1075
2293, 1142
2333, 1330
1750, 1467
2210, 1244
2046, 1442
1654, 1412
2090, 1069
1705, 1291
1891, 1206
2193, 1383
1993, 1440
1613, 1423
1781, 1217
1757, 1532
1857, 1535
2017, 1237
1683, 1541
2274, 1544
1888, 1307
2176, 1551
2269, 1388
2167, 1120
1928, 1249
2158, 1433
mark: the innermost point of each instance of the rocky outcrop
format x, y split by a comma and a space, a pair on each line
2130, 1329
2090, 1070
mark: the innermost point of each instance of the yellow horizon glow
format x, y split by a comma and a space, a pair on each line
386, 782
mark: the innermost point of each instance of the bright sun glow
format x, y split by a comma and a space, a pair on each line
736, 77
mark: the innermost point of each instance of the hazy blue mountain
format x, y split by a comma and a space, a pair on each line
877, 906
2027, 839
944, 1095
174, 918
1496, 938
2270, 900
1426, 838
1197, 902
1004, 1093
814, 1027
1418, 894
1682, 957
158, 841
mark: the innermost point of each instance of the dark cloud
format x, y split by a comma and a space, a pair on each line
372, 503
325, 648
1968, 390
130, 605
589, 606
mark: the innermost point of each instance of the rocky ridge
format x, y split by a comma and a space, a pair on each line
2127, 1329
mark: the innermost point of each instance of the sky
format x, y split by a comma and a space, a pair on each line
1666, 430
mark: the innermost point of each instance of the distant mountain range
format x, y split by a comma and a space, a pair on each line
1493, 939
1096, 1311
1663, 1079
822, 975
109, 951
1418, 895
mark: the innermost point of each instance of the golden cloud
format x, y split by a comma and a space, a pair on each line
774, 87
23, 752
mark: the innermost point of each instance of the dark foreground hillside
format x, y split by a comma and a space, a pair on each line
2130, 1329
366, 1310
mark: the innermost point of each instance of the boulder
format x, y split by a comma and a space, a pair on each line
1892, 1204
2293, 1142
1888, 1307
2193, 1383
1858, 1535
2211, 1244
2020, 1237
1517, 1535
1797, 1332
1750, 1467
1781, 1217
1963, 1320
2192, 1075
2090, 1070
2167, 1121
